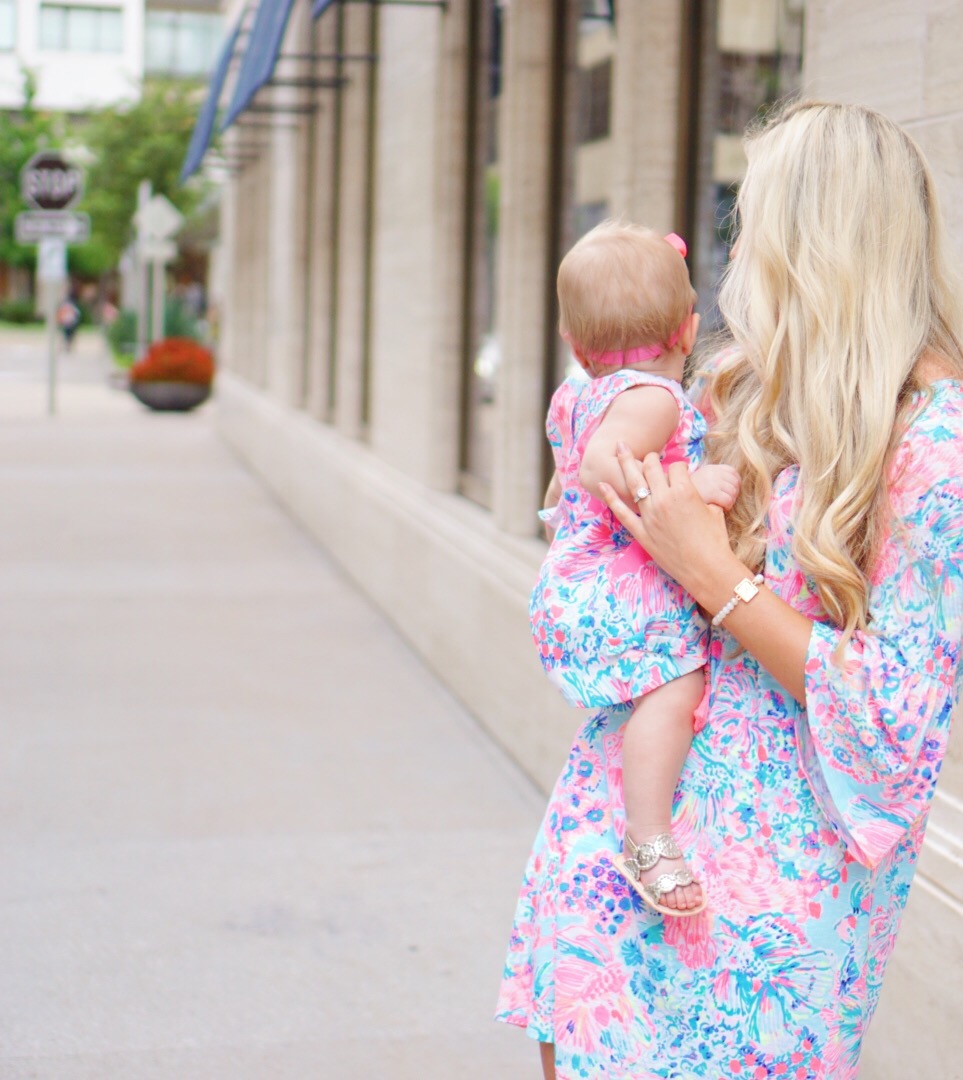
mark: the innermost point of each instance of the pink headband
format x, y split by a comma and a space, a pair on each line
624, 357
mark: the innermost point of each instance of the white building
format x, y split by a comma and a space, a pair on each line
83, 55
89, 53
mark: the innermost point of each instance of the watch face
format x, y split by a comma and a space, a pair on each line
745, 590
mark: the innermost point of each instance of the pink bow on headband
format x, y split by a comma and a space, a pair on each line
678, 243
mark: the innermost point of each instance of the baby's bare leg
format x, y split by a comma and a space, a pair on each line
656, 741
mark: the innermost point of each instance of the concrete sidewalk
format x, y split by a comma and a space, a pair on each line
244, 833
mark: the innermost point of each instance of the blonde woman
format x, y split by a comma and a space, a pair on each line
836, 586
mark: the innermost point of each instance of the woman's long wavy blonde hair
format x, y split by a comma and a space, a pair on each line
838, 287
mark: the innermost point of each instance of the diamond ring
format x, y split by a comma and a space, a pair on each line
642, 493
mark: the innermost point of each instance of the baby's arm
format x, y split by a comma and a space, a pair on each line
644, 418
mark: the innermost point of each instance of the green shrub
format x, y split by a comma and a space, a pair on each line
122, 332
179, 322
122, 337
19, 311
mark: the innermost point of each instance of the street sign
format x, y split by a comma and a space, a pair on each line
52, 260
32, 226
49, 182
163, 250
158, 219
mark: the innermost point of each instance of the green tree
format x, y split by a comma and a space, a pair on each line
22, 134
128, 143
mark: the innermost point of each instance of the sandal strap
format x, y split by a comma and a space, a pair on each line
665, 883
642, 857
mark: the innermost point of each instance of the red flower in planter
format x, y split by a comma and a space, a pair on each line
175, 360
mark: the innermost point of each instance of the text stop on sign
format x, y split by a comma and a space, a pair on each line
48, 182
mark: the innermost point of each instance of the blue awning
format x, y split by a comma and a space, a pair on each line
319, 7
264, 45
204, 128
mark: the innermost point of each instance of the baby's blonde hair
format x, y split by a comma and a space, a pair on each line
838, 286
620, 287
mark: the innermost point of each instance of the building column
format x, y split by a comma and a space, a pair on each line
419, 246
902, 59
260, 298
646, 112
225, 279
450, 190
319, 399
525, 233
285, 173
351, 347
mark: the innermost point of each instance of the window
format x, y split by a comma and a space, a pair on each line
481, 347
751, 57
585, 161
181, 43
81, 29
8, 24
594, 98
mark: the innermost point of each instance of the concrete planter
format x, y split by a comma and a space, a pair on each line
169, 396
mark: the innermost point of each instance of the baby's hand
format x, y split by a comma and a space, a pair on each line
717, 484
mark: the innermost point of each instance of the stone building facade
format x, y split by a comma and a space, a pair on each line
386, 289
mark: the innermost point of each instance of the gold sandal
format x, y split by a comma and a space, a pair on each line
637, 858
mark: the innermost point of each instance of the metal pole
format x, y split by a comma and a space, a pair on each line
157, 270
144, 190
51, 306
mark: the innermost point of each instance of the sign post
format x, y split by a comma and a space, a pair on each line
51, 273
51, 185
144, 190
157, 221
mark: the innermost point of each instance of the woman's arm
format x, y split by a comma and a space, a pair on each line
688, 539
877, 706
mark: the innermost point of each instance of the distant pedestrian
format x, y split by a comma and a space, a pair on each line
108, 314
836, 582
69, 317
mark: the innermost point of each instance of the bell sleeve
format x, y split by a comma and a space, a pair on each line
877, 718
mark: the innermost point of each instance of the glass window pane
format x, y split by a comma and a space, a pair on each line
587, 160
752, 57
111, 31
8, 24
482, 346
182, 43
191, 52
594, 102
159, 41
53, 28
80, 29
82, 26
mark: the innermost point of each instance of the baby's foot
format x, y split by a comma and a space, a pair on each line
658, 872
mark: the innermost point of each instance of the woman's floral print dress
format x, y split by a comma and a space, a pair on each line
803, 825
608, 624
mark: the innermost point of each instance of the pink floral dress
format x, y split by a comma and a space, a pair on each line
803, 824
608, 624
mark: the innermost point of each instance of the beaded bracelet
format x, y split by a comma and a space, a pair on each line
744, 590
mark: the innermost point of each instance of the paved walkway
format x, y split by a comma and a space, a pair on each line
244, 833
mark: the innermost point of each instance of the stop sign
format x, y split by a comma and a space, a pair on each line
49, 182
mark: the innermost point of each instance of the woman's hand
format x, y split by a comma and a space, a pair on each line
687, 538
689, 541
